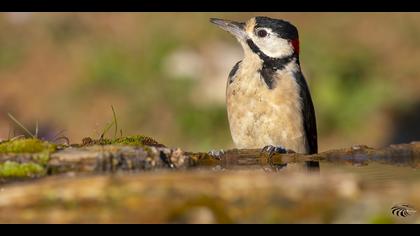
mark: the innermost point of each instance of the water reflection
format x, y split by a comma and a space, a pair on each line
310, 166
396, 163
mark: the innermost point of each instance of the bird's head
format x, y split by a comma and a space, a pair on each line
264, 36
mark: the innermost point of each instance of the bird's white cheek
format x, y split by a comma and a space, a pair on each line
276, 47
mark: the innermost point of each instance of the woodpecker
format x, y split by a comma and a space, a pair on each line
269, 104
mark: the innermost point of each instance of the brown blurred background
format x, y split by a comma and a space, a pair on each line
165, 74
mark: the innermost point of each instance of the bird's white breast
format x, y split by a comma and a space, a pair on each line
259, 116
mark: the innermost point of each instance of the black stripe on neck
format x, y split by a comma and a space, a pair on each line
271, 64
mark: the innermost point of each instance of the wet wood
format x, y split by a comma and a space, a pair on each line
113, 158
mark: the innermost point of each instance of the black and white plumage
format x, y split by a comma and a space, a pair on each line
268, 99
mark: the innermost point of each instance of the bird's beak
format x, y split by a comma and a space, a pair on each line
235, 28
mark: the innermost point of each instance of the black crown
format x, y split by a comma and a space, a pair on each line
284, 29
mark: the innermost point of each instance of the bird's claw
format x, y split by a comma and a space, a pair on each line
271, 150
216, 153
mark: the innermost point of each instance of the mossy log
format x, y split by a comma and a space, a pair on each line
111, 158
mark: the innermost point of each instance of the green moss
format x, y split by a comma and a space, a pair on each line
20, 170
136, 140
42, 158
27, 146
40, 151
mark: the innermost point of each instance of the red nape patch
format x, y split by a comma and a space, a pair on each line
295, 44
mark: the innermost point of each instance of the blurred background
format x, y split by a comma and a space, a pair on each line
165, 75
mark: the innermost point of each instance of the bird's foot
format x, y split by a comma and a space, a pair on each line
216, 153
271, 150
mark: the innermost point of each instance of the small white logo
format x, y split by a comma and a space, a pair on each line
403, 210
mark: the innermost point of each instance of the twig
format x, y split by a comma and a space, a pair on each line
36, 129
115, 122
20, 125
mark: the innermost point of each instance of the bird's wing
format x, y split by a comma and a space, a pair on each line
308, 113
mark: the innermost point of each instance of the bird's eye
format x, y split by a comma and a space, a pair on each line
262, 33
